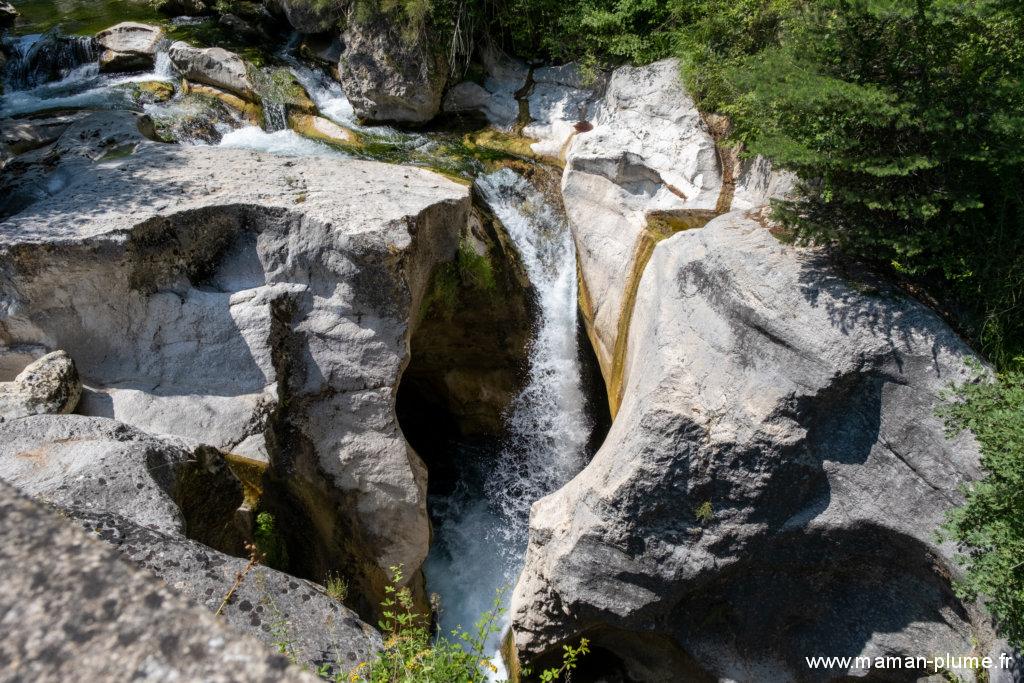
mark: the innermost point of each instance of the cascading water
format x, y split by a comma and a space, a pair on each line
39, 59
481, 528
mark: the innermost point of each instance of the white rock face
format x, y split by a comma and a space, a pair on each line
129, 46
649, 151
559, 99
249, 302
215, 67
48, 385
798, 411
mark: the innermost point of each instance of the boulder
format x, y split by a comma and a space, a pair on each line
215, 67
388, 76
772, 484
71, 609
319, 128
314, 16
257, 304
129, 46
49, 385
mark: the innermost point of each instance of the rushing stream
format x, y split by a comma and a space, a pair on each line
480, 528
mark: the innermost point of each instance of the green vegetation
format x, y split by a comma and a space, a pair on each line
269, 542
412, 655
336, 587
705, 513
468, 270
990, 526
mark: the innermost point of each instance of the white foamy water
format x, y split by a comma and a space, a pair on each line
282, 142
80, 86
483, 527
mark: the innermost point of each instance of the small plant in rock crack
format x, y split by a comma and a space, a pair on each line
336, 587
412, 655
705, 513
255, 558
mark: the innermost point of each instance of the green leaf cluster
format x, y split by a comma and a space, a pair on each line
990, 526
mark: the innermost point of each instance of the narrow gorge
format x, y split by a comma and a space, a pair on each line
293, 303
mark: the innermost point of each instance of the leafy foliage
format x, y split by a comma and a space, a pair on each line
412, 655
269, 542
990, 526
904, 120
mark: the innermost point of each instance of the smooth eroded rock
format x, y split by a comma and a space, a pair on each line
250, 302
215, 67
129, 46
772, 484
48, 385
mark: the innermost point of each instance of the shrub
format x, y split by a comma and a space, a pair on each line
990, 526
269, 542
412, 654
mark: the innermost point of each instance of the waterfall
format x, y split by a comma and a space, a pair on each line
482, 528
39, 59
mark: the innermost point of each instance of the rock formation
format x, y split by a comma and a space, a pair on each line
129, 46
389, 76
260, 305
314, 16
771, 485
48, 385
175, 508
84, 614
215, 67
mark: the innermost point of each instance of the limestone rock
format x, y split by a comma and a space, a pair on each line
215, 67
314, 16
145, 494
559, 99
388, 77
129, 46
246, 301
65, 616
772, 484
49, 385
319, 128
101, 465
466, 97
25, 133
648, 153
268, 604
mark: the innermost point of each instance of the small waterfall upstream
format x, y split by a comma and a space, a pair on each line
481, 529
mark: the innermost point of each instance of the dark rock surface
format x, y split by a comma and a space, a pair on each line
83, 614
